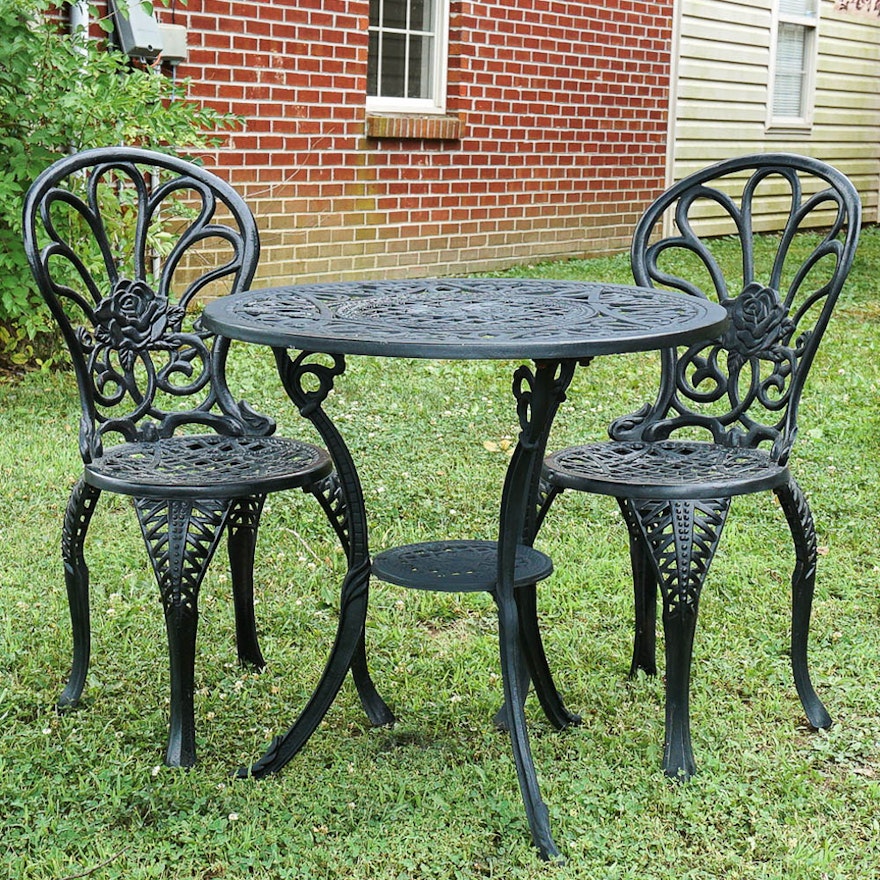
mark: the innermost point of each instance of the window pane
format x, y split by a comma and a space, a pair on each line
422, 15
373, 64
375, 12
420, 84
393, 66
788, 92
394, 13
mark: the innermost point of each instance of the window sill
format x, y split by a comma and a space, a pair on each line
416, 126
784, 129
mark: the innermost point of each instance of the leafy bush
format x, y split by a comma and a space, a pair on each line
59, 93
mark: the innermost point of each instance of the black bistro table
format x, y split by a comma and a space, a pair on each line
556, 325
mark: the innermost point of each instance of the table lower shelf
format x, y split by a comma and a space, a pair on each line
457, 566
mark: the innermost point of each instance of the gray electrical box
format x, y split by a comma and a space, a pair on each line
137, 30
173, 43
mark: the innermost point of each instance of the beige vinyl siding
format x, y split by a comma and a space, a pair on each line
723, 76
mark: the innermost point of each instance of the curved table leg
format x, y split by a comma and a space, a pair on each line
343, 502
348, 515
538, 397
536, 667
371, 700
527, 599
331, 497
536, 661
352, 614
511, 658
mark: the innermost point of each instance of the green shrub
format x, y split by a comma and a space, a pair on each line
60, 93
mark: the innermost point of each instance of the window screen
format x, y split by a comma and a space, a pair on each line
406, 51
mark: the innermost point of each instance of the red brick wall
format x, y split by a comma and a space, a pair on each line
561, 110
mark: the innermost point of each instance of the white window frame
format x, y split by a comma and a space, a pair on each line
810, 23
436, 103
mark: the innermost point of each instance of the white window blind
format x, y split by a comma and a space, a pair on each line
796, 7
788, 92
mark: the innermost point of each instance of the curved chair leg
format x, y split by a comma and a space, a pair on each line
79, 512
803, 580
678, 754
645, 598
181, 623
682, 537
181, 537
644, 595
241, 530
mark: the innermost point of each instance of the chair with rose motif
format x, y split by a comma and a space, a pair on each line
724, 420
122, 242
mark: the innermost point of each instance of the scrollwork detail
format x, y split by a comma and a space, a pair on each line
523, 390
532, 395
751, 363
136, 350
700, 374
300, 372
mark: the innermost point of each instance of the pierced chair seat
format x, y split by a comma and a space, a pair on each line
208, 465
664, 469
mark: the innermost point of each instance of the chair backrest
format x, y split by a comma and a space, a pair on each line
121, 242
704, 237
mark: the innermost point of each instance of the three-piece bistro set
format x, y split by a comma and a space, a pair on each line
161, 425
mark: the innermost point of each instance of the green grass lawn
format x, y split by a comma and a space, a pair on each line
85, 794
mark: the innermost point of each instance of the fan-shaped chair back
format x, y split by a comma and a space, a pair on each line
742, 389
121, 242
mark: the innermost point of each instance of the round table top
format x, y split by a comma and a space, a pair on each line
466, 318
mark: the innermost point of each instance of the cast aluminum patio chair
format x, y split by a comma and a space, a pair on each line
725, 417
121, 243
